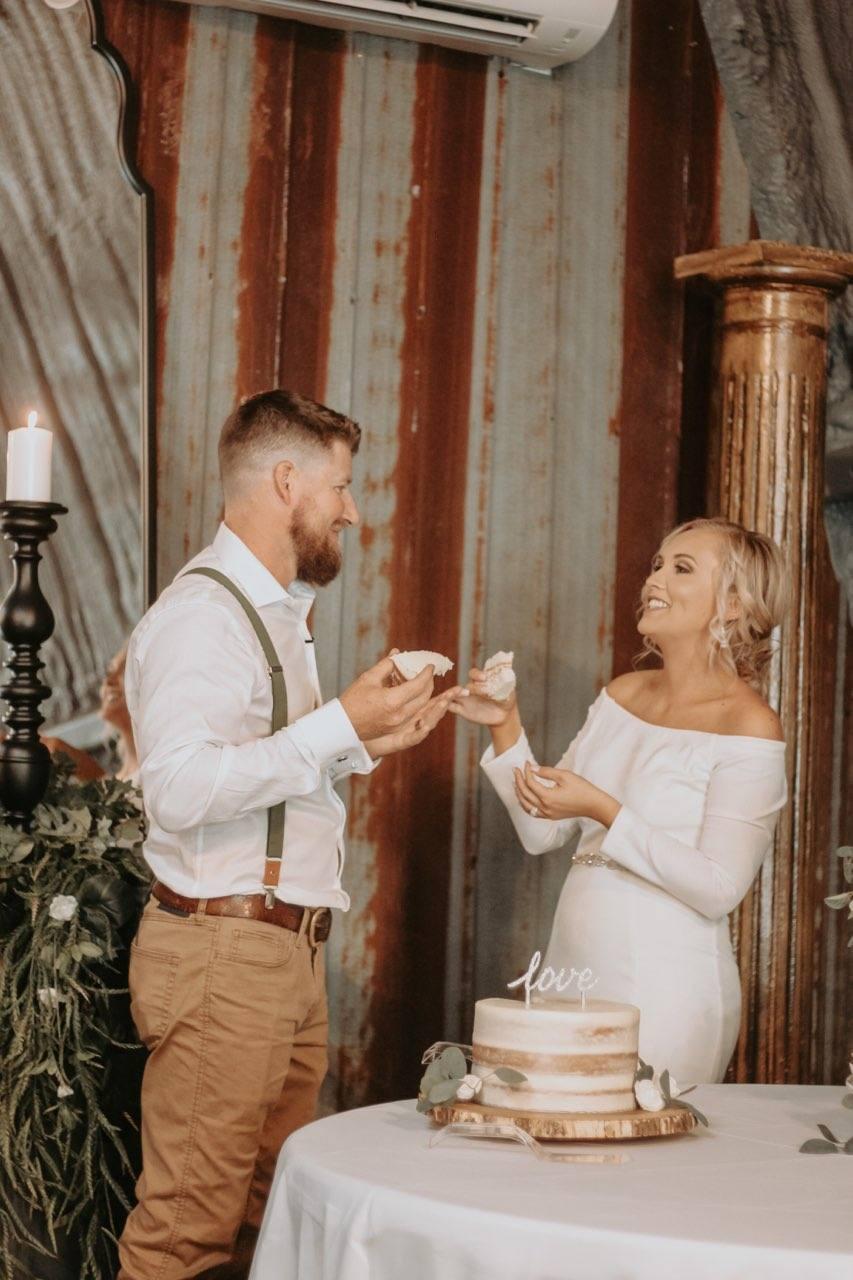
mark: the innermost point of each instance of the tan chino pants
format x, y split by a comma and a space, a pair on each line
234, 1014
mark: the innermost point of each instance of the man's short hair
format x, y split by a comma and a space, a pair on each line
274, 420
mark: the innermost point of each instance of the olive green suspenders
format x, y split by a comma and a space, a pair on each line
275, 815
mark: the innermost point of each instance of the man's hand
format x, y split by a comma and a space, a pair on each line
376, 710
415, 729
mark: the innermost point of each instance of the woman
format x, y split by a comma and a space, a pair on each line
113, 711
675, 782
115, 714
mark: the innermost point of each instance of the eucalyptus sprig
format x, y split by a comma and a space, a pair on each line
827, 1145
662, 1094
71, 889
448, 1072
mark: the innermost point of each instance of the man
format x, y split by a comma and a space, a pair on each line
227, 977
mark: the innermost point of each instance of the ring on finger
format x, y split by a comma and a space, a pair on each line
534, 812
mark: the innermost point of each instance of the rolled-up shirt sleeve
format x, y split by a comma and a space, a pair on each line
746, 791
537, 835
195, 676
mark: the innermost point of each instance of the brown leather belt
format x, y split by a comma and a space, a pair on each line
250, 906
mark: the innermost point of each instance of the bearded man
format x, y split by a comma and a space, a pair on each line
245, 836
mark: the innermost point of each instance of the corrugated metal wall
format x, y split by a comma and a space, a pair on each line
475, 261
69, 316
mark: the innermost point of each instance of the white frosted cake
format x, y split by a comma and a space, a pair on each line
575, 1059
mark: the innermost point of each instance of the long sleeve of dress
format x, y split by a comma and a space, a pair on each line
746, 790
537, 835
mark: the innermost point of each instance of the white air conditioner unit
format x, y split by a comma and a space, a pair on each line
541, 34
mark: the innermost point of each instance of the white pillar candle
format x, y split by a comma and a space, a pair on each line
28, 463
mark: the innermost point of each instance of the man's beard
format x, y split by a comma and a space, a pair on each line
318, 556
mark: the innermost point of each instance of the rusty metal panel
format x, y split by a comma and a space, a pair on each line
352, 623
542, 469
649, 415
476, 263
70, 317
200, 364
511, 888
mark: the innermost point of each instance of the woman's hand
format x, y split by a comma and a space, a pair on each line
564, 795
478, 707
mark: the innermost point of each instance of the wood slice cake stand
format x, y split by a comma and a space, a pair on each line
615, 1126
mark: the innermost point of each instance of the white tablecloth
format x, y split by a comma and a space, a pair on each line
363, 1195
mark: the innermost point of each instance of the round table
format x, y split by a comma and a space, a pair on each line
363, 1195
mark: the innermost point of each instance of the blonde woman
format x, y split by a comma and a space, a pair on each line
674, 783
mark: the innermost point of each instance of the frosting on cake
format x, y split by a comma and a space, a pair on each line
575, 1059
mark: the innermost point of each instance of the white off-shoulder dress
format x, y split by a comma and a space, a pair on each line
645, 904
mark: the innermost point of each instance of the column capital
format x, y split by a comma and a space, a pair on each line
771, 261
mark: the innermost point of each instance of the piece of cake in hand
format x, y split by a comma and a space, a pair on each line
499, 676
576, 1058
412, 662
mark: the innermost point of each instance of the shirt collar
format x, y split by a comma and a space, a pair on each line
255, 579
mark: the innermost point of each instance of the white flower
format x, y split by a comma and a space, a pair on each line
64, 1091
49, 997
649, 1096
63, 906
469, 1087
674, 1089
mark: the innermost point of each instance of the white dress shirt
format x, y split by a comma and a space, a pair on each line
199, 695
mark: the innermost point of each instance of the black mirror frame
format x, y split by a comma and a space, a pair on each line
125, 144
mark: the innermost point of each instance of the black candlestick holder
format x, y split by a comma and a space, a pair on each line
26, 621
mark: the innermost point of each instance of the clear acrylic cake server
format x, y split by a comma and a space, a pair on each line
505, 1129
436, 1050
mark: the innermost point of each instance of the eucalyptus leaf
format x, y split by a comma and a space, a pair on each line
443, 1092
22, 850
847, 1101
452, 1063
694, 1111
828, 1134
423, 1104
644, 1072
509, 1075
818, 1147
848, 1147
90, 950
105, 893
431, 1076
665, 1087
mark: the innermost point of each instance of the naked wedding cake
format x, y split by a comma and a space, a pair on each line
576, 1057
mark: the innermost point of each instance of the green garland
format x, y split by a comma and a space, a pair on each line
71, 889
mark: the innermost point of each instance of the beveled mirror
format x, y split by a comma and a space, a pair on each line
75, 262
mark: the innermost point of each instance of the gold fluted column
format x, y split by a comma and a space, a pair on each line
767, 468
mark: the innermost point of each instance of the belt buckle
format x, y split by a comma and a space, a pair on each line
315, 914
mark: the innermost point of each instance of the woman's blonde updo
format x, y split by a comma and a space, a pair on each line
752, 572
